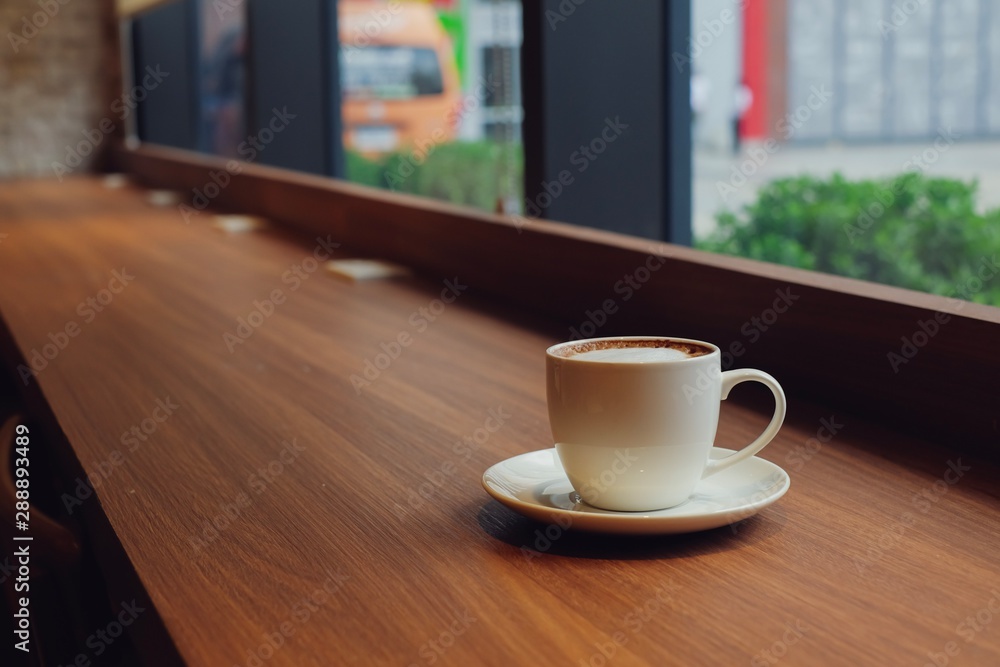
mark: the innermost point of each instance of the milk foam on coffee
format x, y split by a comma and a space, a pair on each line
633, 355
636, 351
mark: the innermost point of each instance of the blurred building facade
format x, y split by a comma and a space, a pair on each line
847, 70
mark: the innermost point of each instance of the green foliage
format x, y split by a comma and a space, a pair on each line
470, 173
910, 231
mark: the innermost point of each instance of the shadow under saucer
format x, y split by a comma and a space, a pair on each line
535, 537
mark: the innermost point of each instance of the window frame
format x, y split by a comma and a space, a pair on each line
652, 178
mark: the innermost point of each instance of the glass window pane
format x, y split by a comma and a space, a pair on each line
431, 98
222, 77
852, 137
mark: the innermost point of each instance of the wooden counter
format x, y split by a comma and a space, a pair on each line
244, 477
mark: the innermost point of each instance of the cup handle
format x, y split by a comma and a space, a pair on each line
729, 380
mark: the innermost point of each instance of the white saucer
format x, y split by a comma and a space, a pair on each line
535, 485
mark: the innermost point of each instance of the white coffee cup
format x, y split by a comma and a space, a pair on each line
634, 418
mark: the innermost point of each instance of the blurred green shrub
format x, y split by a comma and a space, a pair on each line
910, 231
470, 173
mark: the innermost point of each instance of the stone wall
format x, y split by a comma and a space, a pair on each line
59, 67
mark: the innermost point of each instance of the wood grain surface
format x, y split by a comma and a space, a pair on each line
876, 556
834, 343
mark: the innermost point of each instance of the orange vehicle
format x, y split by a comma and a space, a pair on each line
398, 76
